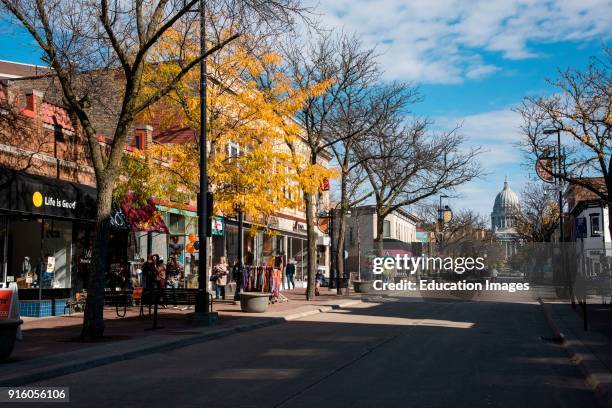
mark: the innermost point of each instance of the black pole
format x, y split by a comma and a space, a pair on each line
240, 253
202, 296
562, 250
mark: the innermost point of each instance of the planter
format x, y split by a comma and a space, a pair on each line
363, 286
254, 302
8, 332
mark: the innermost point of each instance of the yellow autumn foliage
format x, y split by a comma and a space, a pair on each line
266, 175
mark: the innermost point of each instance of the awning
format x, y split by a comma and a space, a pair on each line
31, 194
143, 217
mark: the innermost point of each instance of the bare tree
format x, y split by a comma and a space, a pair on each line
580, 111
466, 225
99, 51
339, 58
538, 215
409, 165
361, 107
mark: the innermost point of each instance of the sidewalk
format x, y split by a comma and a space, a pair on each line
50, 346
590, 350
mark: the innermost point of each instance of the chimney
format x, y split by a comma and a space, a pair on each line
146, 132
34, 100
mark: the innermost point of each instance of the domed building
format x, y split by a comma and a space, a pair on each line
503, 219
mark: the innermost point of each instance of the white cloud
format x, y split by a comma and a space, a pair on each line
440, 41
498, 133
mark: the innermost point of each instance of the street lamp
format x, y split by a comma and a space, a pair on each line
240, 214
551, 131
559, 177
202, 305
445, 214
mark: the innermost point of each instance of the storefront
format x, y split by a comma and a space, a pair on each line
45, 228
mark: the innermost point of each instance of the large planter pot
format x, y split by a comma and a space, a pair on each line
254, 302
8, 332
363, 286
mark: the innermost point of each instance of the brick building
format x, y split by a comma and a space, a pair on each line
48, 201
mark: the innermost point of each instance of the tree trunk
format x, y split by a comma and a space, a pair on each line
341, 230
340, 247
311, 243
93, 319
378, 242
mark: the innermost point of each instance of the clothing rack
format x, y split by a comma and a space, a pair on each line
263, 278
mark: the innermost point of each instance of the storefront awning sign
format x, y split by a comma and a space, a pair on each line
45, 196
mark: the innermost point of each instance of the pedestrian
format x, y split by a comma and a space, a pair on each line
494, 274
290, 273
318, 281
149, 273
161, 274
220, 273
237, 278
172, 273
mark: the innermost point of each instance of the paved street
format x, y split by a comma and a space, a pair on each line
389, 353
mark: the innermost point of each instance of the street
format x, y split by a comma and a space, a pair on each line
385, 352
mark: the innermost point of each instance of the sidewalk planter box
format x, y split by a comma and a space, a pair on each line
363, 286
254, 302
8, 332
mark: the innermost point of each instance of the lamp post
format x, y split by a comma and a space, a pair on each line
203, 220
240, 214
558, 176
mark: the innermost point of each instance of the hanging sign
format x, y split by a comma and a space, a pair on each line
543, 168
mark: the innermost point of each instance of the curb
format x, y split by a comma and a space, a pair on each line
76, 366
602, 391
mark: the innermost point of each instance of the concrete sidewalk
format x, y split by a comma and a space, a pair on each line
64, 355
591, 351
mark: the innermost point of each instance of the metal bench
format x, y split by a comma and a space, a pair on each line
169, 296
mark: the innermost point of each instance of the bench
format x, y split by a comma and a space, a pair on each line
119, 299
169, 296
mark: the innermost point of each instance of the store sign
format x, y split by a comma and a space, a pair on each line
217, 225
6, 298
45, 196
39, 200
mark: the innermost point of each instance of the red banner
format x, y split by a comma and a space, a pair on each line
144, 217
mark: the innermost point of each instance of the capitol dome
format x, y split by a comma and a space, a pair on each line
506, 199
506, 203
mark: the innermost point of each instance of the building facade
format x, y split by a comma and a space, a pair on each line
588, 227
399, 237
47, 207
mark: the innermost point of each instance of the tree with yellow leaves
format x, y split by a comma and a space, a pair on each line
250, 110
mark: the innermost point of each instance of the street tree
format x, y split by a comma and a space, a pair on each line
538, 215
409, 164
99, 52
580, 110
340, 61
362, 106
249, 167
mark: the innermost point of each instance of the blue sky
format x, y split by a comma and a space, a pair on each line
472, 60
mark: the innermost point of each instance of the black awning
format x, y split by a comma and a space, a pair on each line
30, 194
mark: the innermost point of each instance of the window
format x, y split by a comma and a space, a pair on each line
595, 225
386, 229
233, 150
351, 239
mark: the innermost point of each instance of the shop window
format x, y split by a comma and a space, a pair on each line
176, 223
